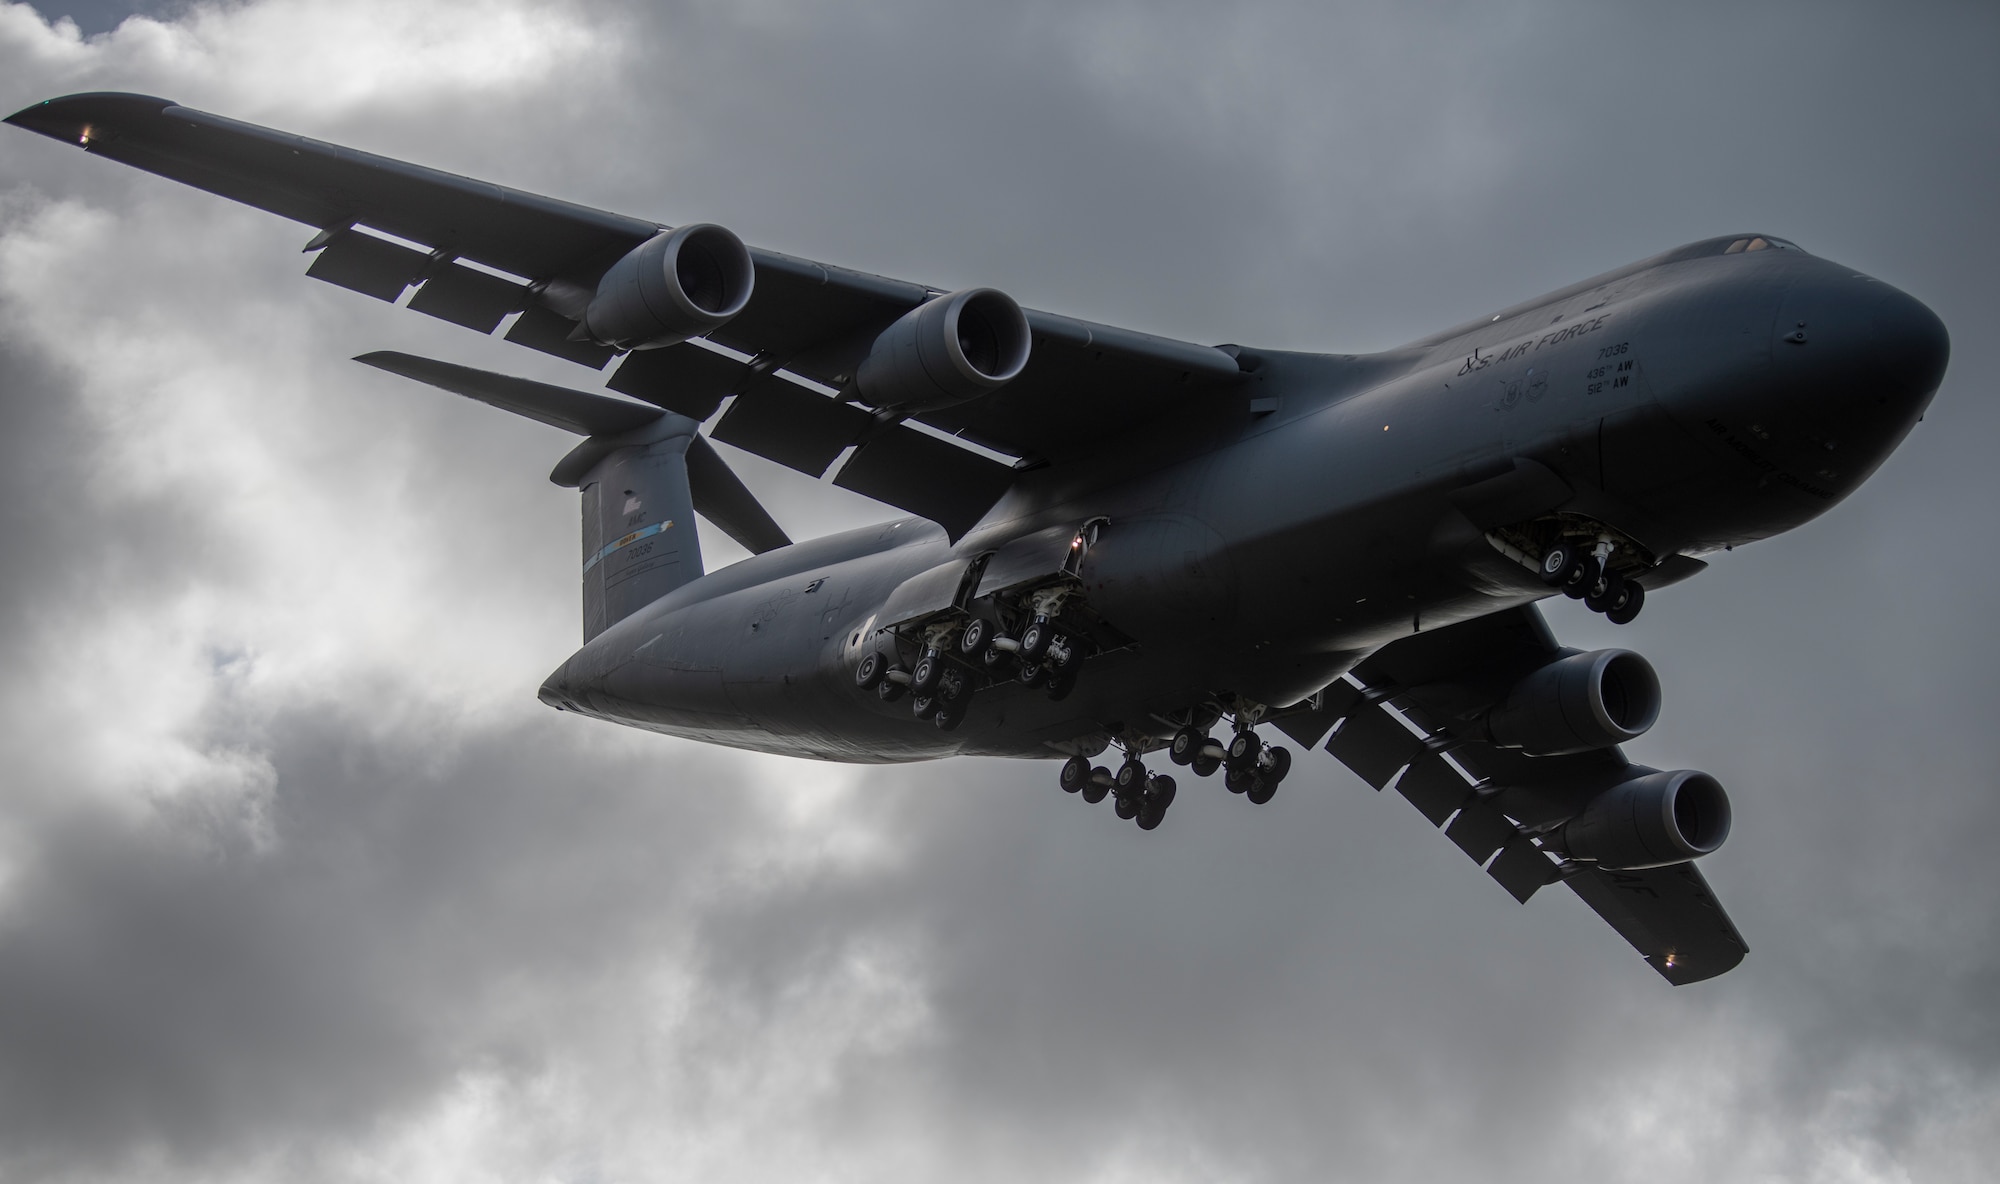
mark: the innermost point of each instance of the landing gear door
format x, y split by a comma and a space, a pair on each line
1039, 557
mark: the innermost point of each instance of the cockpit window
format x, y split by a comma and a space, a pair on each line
1758, 244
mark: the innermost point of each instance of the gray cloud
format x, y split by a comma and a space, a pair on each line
296, 878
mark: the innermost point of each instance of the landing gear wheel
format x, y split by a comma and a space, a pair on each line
925, 706
997, 660
1098, 785
977, 634
1635, 599
1131, 779
949, 714
1035, 639
1161, 789
1075, 774
1032, 674
1126, 806
869, 671
1242, 751
1609, 592
1186, 746
1151, 814
1563, 564
1205, 766
1061, 684
1281, 765
1238, 780
924, 679
889, 690
1261, 790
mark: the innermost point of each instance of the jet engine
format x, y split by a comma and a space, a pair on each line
1578, 703
944, 351
1650, 821
675, 285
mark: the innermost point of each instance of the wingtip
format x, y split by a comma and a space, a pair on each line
71, 117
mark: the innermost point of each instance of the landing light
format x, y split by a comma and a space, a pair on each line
1670, 959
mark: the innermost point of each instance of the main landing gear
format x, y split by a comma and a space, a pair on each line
955, 662
1136, 795
1583, 572
1251, 767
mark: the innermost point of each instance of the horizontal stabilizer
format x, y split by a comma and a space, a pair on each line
559, 407
719, 495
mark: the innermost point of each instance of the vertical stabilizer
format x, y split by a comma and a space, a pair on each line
639, 539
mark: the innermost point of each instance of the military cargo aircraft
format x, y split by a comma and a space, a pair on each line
1122, 542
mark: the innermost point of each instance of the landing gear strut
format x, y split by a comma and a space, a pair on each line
1583, 572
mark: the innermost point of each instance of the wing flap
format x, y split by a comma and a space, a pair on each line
369, 265
782, 421
952, 486
467, 297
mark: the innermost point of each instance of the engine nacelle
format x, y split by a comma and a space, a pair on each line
1650, 821
673, 286
944, 351
1578, 703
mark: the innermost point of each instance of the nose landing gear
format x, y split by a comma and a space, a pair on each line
1584, 572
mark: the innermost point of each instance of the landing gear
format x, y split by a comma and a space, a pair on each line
1635, 599
1254, 768
945, 702
1136, 795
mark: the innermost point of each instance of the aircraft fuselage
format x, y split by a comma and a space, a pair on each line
1685, 404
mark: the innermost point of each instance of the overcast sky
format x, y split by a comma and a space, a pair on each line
298, 881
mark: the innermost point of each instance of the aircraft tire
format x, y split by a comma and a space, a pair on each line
1075, 774
1161, 789
1205, 766
924, 679
925, 706
1635, 600
1035, 639
949, 714
1261, 790
869, 671
996, 659
1281, 765
1608, 593
1095, 789
1243, 750
1563, 564
1187, 743
977, 634
1032, 674
1151, 815
889, 690
1126, 806
1061, 684
1237, 781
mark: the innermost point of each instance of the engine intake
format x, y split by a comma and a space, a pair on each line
944, 351
676, 285
1578, 703
1650, 821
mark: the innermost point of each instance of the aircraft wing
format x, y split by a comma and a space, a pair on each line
1388, 722
807, 321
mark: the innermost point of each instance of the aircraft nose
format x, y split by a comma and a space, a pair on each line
1857, 348
1854, 364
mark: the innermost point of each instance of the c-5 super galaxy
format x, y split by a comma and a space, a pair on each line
1121, 542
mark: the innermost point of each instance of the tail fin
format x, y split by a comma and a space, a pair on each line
639, 541
643, 473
